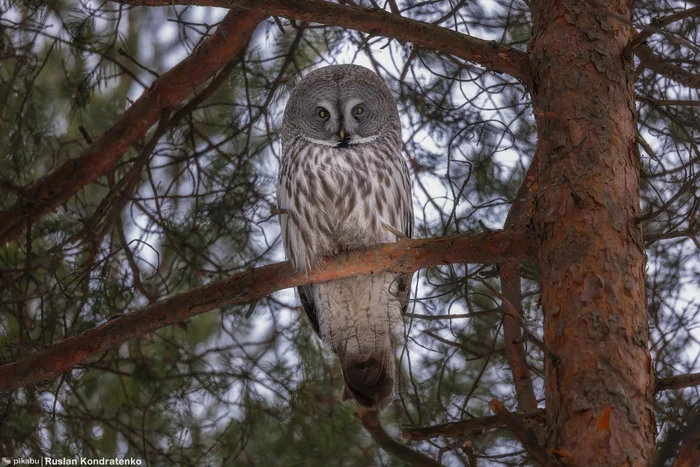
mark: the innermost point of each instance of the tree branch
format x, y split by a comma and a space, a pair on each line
466, 427
396, 449
403, 257
490, 54
658, 23
165, 94
677, 382
507, 307
669, 102
525, 434
509, 272
649, 60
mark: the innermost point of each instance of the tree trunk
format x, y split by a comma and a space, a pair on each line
599, 383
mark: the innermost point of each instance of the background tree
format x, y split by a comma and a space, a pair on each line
138, 177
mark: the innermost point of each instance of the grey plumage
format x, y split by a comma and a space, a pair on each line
341, 177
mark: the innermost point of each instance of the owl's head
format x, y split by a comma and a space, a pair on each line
341, 105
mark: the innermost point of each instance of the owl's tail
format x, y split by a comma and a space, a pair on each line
368, 383
359, 318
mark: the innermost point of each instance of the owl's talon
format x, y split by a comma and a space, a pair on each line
394, 230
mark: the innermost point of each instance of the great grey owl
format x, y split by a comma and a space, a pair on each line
343, 184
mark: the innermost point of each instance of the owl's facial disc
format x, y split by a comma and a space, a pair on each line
358, 124
325, 122
339, 106
343, 121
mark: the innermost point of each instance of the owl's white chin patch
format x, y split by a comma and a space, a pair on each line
334, 143
359, 140
323, 142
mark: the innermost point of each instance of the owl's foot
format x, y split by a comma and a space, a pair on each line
400, 235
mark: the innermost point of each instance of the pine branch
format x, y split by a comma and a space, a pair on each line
405, 256
490, 54
467, 427
658, 65
677, 382
511, 287
526, 435
669, 102
658, 23
165, 94
393, 447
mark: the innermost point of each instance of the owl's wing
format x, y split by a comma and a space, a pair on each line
404, 290
306, 296
404, 280
291, 239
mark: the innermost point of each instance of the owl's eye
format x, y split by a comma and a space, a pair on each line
358, 110
323, 113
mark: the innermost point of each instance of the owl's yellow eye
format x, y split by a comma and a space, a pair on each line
323, 113
358, 110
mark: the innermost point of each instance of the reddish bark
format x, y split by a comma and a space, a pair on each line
599, 388
406, 256
165, 94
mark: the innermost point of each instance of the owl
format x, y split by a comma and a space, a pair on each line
344, 185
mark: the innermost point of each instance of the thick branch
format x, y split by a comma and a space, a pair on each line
511, 287
393, 447
490, 54
512, 336
669, 102
468, 427
658, 23
166, 93
402, 257
678, 382
649, 60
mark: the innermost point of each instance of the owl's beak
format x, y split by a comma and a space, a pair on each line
343, 139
